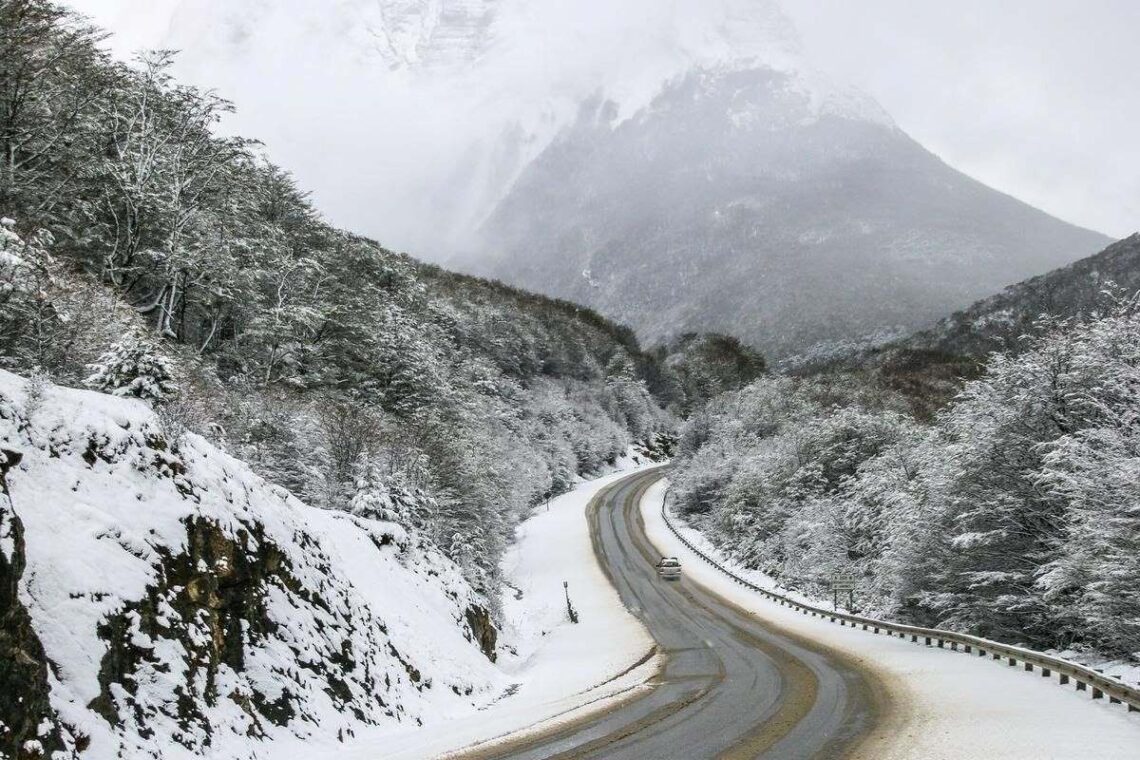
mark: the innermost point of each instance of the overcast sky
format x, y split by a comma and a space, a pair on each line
1037, 98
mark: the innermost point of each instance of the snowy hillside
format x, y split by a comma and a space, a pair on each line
1084, 288
184, 603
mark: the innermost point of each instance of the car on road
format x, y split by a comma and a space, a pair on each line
669, 568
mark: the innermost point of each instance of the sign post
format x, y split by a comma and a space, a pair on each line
842, 582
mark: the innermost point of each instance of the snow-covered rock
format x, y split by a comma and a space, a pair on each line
185, 605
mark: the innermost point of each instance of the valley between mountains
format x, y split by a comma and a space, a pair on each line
270, 488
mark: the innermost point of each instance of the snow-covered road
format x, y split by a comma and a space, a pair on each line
730, 687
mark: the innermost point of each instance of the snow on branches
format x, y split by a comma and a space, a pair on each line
134, 367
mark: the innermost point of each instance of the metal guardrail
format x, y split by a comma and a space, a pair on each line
1085, 678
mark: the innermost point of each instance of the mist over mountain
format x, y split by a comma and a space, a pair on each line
417, 116
766, 204
679, 167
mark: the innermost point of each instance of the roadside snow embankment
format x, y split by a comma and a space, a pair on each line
559, 670
164, 601
941, 704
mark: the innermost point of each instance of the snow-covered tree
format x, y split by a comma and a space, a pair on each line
134, 367
1093, 587
385, 495
492, 399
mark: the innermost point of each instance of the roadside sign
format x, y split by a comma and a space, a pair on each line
843, 582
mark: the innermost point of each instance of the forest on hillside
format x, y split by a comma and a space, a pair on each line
144, 253
1012, 513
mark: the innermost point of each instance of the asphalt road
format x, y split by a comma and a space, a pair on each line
731, 687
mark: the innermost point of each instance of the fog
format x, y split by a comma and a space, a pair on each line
404, 140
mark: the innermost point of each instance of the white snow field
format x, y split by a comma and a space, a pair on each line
561, 670
943, 704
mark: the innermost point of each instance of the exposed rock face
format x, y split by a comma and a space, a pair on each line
171, 600
210, 600
483, 630
29, 727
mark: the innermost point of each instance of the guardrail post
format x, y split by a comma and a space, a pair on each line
914, 638
927, 640
876, 629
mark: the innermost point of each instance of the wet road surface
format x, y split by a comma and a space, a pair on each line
731, 686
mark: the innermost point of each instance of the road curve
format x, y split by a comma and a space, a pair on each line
731, 686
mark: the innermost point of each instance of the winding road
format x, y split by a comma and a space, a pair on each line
731, 685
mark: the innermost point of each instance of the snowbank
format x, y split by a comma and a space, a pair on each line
943, 704
559, 670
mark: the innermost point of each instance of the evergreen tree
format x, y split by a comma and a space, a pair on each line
134, 367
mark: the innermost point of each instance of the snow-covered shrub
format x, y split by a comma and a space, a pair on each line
389, 496
134, 367
27, 317
35, 390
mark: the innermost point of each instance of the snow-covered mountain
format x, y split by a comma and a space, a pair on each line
410, 119
765, 203
680, 166
433, 33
